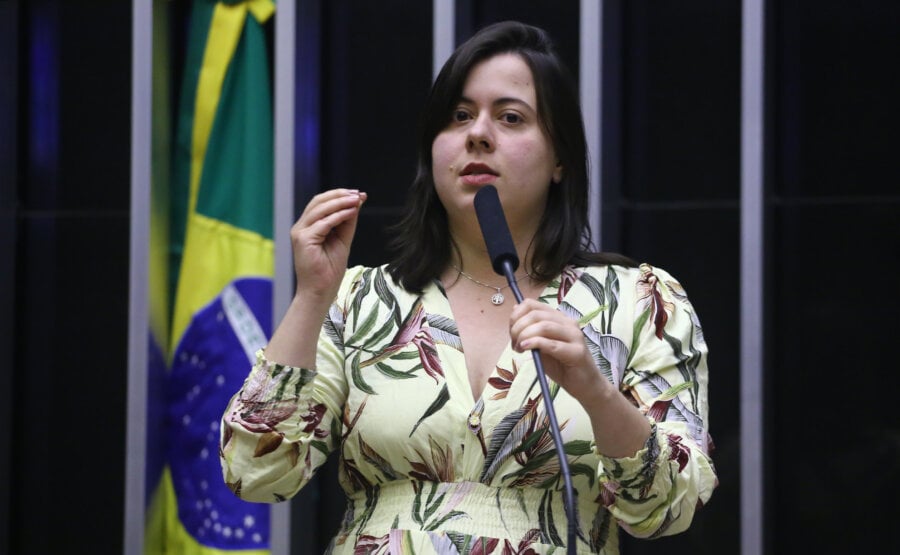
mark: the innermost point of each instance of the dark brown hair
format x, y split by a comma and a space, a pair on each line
422, 245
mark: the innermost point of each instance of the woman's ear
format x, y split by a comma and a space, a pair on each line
557, 173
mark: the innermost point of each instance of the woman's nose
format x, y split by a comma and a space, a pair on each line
480, 136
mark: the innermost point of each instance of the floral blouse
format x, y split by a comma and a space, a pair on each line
428, 469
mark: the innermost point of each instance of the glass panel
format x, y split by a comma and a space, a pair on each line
672, 183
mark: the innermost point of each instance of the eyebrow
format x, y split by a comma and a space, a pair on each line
502, 101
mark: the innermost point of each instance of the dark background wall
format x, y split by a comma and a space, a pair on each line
671, 172
8, 166
834, 215
64, 184
671, 190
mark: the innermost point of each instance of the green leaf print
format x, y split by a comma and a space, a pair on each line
406, 543
541, 471
578, 447
591, 315
405, 355
673, 391
382, 289
363, 287
581, 469
530, 441
422, 512
320, 446
376, 460
417, 505
391, 373
549, 533
363, 329
386, 328
372, 495
438, 508
599, 533
636, 334
355, 372
687, 364
594, 286
612, 295
508, 435
336, 425
436, 405
439, 522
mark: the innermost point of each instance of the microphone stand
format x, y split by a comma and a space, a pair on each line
509, 272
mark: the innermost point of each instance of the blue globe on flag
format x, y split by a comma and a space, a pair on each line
210, 364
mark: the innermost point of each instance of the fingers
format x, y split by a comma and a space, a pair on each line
327, 212
347, 228
532, 319
535, 325
560, 341
328, 222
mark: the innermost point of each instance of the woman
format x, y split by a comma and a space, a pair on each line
419, 373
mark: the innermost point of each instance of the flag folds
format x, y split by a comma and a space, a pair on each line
221, 267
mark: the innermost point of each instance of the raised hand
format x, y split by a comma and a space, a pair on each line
321, 240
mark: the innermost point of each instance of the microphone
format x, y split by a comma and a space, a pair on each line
505, 261
499, 242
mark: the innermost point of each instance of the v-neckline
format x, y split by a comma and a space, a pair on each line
453, 361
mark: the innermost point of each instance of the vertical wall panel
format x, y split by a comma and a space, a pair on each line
71, 318
836, 208
9, 76
837, 98
835, 446
681, 69
673, 162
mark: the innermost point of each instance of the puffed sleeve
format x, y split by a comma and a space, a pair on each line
656, 491
285, 421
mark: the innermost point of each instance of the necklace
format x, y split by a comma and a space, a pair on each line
497, 298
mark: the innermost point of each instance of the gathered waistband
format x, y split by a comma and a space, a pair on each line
468, 508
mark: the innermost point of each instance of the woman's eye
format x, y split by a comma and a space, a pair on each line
511, 118
460, 115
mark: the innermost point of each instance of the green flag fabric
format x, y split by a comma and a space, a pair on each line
220, 268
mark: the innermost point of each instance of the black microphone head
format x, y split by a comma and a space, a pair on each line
495, 230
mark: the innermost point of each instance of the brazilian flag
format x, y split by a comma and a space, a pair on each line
220, 268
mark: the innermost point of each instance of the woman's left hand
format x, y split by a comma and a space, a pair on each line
564, 353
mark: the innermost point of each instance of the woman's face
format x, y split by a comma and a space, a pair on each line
494, 136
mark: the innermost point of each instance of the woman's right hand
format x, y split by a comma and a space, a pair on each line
321, 240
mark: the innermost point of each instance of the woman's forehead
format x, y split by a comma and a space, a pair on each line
501, 74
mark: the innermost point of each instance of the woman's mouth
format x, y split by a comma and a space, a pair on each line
478, 174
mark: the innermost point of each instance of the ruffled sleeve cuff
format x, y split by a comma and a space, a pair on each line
288, 378
629, 477
656, 491
274, 432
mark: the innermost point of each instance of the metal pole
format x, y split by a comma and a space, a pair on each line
752, 293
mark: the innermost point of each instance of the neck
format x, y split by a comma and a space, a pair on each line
471, 256
470, 253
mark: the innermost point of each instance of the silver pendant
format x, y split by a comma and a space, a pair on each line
498, 298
